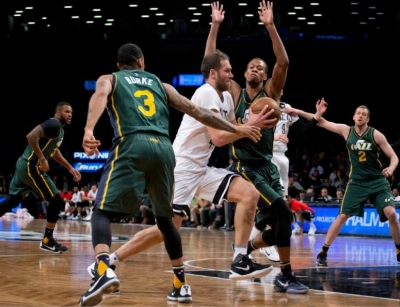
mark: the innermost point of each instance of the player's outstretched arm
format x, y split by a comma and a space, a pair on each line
208, 117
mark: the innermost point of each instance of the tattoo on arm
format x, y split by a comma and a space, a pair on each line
100, 84
203, 115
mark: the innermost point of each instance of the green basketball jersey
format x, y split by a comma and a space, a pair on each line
138, 103
363, 155
47, 145
245, 149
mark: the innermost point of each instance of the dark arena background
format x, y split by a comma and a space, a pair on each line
345, 51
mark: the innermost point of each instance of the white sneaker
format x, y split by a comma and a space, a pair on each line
270, 252
87, 217
312, 231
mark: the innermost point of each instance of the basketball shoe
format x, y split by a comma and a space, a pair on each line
104, 284
53, 246
244, 268
290, 284
92, 272
321, 259
183, 294
270, 252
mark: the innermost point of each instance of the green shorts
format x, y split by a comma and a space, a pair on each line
266, 179
136, 163
358, 192
28, 178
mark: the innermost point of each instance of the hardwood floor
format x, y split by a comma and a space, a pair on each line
362, 271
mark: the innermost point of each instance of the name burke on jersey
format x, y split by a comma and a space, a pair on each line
142, 80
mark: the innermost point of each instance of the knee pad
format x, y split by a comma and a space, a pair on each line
268, 236
283, 217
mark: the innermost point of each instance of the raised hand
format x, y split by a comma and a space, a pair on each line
251, 132
90, 144
321, 106
217, 12
266, 13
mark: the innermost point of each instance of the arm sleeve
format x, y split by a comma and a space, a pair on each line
304, 129
51, 128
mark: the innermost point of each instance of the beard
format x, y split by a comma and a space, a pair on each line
222, 86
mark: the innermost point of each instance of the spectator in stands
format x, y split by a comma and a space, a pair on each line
310, 194
146, 209
396, 196
302, 196
325, 197
339, 195
316, 165
196, 209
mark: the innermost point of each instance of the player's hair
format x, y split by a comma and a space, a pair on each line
129, 54
212, 61
363, 107
60, 105
260, 59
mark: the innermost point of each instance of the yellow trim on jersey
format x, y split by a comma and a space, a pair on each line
38, 171
109, 178
248, 179
115, 110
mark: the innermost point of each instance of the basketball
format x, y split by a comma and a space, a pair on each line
258, 104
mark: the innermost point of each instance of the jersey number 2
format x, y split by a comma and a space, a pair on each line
362, 156
148, 102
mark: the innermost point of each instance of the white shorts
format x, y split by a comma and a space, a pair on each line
191, 180
282, 163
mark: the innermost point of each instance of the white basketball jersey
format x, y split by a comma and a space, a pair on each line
282, 127
193, 140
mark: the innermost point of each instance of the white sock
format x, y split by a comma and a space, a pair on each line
239, 250
254, 233
114, 258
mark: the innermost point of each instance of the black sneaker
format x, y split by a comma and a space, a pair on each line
398, 257
183, 294
92, 272
290, 284
321, 259
53, 246
104, 284
245, 268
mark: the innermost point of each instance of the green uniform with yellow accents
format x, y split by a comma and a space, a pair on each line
141, 156
253, 160
366, 179
28, 177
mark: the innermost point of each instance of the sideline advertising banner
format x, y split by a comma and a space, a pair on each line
368, 225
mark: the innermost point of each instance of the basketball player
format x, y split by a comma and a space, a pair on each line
142, 149
281, 161
367, 179
31, 172
253, 161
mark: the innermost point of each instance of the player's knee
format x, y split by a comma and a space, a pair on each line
250, 197
391, 214
268, 237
